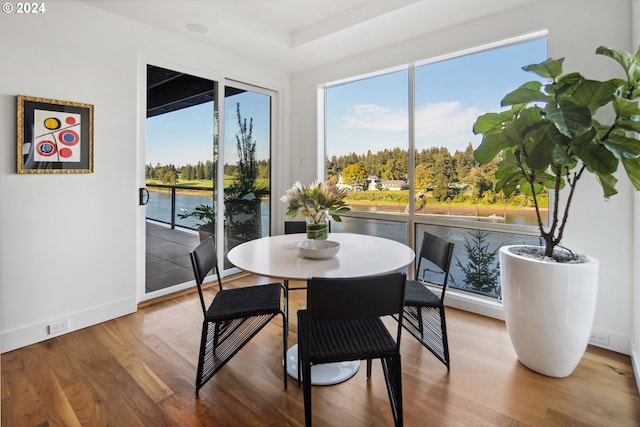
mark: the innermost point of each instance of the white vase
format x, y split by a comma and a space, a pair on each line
549, 310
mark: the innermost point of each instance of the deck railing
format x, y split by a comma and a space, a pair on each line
155, 213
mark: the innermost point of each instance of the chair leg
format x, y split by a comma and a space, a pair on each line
393, 377
445, 340
284, 349
368, 368
306, 391
203, 349
299, 363
420, 323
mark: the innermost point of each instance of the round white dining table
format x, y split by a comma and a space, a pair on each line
359, 255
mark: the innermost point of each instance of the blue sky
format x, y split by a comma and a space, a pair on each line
372, 114
369, 114
180, 137
186, 136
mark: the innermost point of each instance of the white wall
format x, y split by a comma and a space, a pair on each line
576, 28
69, 243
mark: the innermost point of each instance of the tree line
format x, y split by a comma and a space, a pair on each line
170, 174
445, 176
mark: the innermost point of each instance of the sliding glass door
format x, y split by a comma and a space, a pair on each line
247, 164
189, 128
181, 139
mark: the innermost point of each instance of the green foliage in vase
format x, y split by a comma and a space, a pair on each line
316, 201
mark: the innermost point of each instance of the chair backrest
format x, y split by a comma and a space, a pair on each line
355, 298
292, 227
203, 260
438, 252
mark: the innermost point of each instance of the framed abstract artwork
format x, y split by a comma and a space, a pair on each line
54, 136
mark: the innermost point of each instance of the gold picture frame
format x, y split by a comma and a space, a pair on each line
54, 136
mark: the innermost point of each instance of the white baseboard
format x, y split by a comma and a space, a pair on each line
473, 303
618, 343
493, 308
37, 332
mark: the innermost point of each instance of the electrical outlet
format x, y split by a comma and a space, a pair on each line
59, 326
601, 339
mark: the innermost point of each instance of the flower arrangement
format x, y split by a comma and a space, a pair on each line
316, 201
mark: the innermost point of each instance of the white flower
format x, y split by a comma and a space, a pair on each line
315, 201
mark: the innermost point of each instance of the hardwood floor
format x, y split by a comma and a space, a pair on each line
139, 370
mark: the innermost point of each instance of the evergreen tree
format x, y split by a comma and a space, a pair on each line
481, 272
246, 145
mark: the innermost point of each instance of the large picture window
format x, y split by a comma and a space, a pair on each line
402, 142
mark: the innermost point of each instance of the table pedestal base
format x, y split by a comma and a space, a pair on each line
325, 374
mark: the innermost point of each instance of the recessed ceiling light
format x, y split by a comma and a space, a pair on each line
198, 28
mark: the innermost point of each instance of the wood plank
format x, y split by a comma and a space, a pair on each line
140, 370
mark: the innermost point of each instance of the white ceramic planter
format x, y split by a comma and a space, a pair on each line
549, 310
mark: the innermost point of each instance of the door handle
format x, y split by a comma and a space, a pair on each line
143, 196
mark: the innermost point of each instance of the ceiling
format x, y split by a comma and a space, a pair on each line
294, 35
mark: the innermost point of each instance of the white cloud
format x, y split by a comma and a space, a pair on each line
447, 123
375, 117
439, 124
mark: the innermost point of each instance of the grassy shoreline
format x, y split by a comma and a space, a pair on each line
387, 201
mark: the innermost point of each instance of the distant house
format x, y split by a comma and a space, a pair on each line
372, 183
393, 184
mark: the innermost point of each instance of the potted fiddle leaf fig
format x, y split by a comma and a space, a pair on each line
549, 138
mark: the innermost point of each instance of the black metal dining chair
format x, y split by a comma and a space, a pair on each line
342, 322
293, 227
424, 312
234, 316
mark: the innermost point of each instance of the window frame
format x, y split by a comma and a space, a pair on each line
462, 299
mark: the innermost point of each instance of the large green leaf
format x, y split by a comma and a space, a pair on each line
595, 94
608, 183
627, 108
525, 94
597, 158
551, 68
490, 122
539, 147
567, 85
528, 190
629, 124
630, 63
549, 180
492, 144
508, 165
569, 118
632, 167
508, 184
623, 58
623, 147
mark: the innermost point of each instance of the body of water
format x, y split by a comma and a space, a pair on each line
159, 208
